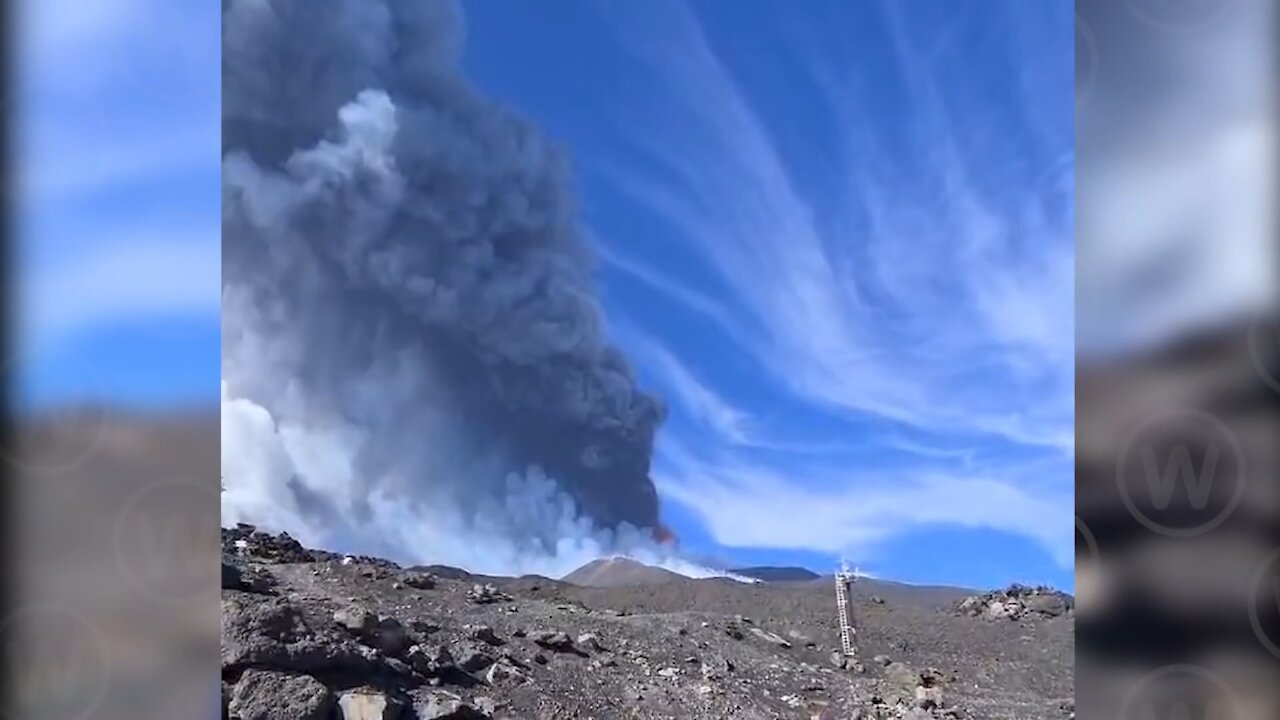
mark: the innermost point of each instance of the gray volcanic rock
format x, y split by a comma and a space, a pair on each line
269, 695
267, 632
688, 649
365, 704
1017, 601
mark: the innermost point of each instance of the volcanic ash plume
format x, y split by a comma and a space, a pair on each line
414, 357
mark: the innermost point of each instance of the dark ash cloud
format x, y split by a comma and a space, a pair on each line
404, 274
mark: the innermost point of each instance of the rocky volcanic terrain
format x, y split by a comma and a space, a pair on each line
314, 635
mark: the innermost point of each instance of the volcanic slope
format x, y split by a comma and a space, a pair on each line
620, 572
771, 573
344, 632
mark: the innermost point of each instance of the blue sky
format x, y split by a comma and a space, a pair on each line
835, 236
117, 144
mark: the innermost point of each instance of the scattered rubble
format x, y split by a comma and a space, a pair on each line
1017, 601
486, 594
321, 640
419, 581
247, 542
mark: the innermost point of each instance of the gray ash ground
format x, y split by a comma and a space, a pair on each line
309, 634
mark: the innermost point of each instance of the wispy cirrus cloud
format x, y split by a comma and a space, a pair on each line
702, 402
1176, 203
144, 274
115, 190
935, 288
850, 512
917, 299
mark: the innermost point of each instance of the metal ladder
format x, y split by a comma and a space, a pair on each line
843, 578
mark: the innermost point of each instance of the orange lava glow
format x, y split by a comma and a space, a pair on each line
664, 535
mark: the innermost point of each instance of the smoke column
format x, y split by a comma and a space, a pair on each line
414, 360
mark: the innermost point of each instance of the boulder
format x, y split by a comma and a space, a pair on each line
247, 579
357, 621
366, 704
1004, 610
272, 695
230, 577
251, 626
257, 580
902, 676
390, 636
420, 581
269, 633
590, 640
485, 634
1049, 604
552, 639
430, 660
373, 572
769, 637
472, 657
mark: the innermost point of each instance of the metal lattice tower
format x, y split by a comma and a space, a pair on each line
844, 616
